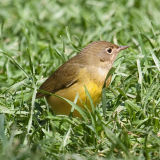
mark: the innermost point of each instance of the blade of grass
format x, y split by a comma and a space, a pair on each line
156, 61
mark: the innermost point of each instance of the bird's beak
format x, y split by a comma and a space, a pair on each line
122, 48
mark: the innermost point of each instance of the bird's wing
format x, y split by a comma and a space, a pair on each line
63, 77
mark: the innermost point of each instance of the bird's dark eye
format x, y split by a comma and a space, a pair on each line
109, 50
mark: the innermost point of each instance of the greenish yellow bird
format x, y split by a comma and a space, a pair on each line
89, 68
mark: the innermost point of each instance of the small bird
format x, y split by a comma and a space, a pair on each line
89, 68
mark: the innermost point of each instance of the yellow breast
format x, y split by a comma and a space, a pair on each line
60, 106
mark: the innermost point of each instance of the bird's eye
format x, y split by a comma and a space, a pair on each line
109, 50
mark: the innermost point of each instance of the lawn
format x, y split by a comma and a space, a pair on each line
36, 37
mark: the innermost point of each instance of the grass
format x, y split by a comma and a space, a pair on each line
36, 37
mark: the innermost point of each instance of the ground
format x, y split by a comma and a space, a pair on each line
36, 37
